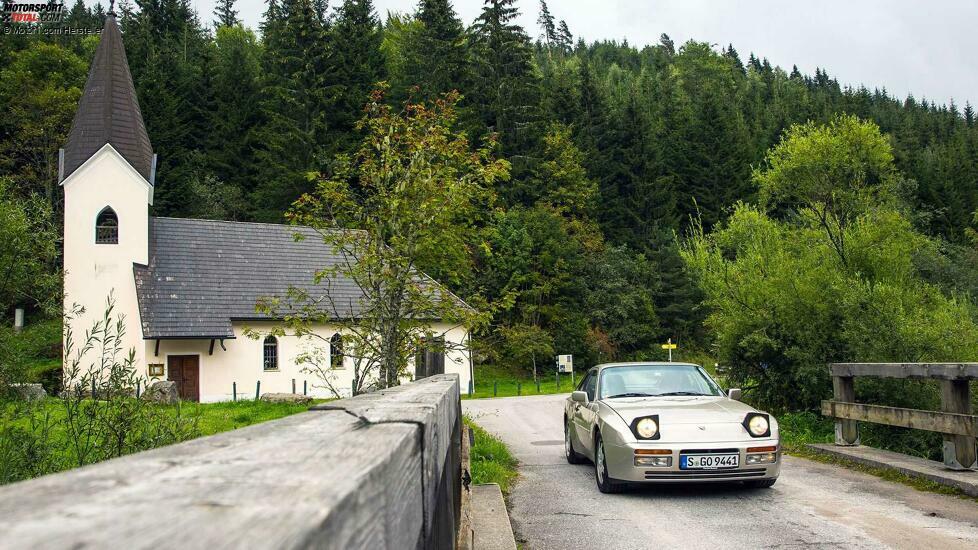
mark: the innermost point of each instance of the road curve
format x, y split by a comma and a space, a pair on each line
814, 505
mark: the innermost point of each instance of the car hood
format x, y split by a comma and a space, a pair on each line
681, 409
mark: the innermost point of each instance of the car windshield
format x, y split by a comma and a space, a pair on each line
656, 380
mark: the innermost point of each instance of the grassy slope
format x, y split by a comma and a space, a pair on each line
493, 381
491, 460
212, 417
38, 346
221, 417
506, 383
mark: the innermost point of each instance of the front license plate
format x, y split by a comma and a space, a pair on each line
708, 462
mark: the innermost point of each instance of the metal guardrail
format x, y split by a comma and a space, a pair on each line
380, 470
955, 421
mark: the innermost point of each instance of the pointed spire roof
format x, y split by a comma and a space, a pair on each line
108, 111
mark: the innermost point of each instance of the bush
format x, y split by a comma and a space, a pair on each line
36, 438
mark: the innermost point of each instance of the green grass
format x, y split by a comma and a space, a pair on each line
221, 417
212, 418
35, 438
494, 381
491, 460
801, 428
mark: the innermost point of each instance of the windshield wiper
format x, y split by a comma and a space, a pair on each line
681, 393
630, 395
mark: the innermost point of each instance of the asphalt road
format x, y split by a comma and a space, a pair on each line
813, 505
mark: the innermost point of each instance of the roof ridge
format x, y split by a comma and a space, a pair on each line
236, 222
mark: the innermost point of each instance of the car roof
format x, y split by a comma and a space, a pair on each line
649, 363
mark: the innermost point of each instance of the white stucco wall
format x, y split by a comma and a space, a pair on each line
242, 362
93, 271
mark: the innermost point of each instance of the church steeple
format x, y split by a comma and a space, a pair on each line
108, 111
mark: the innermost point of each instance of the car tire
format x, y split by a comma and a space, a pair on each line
606, 484
573, 457
760, 483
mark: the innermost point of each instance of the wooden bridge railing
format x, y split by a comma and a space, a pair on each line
379, 471
954, 421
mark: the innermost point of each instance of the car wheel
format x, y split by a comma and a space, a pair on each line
573, 457
760, 483
605, 483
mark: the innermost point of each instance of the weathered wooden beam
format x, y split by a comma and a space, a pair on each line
939, 371
368, 473
932, 421
959, 449
846, 431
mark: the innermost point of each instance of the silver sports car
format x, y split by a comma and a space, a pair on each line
667, 422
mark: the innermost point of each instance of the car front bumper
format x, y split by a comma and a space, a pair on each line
621, 462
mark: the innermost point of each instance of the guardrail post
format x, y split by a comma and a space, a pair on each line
959, 450
846, 431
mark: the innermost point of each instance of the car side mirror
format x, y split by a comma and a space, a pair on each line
735, 394
579, 397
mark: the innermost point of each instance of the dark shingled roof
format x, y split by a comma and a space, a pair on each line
202, 274
108, 111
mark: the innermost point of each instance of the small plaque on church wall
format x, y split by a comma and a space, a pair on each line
156, 369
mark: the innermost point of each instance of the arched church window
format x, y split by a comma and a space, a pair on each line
270, 355
107, 227
336, 351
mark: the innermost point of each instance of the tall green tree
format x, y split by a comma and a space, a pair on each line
167, 49
358, 66
225, 15
505, 87
436, 60
236, 76
37, 123
298, 94
548, 26
400, 207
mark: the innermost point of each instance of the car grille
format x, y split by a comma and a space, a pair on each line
706, 474
708, 451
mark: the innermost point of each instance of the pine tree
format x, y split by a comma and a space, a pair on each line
296, 101
355, 40
564, 37
506, 89
167, 47
548, 27
667, 44
676, 296
435, 57
236, 77
731, 54
226, 15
